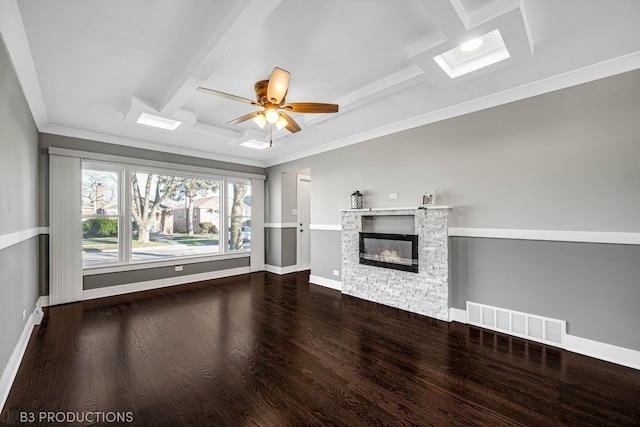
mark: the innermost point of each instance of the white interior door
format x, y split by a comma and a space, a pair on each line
304, 220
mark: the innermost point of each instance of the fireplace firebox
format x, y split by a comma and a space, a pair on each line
395, 251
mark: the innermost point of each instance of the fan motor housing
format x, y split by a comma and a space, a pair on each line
261, 91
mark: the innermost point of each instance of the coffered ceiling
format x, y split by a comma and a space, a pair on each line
89, 68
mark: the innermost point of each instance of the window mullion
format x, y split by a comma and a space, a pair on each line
222, 205
127, 238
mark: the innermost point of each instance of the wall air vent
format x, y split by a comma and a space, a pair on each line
530, 326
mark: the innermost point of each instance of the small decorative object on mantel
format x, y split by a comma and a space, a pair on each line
356, 200
428, 198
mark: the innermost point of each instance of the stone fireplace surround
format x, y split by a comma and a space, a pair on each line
425, 292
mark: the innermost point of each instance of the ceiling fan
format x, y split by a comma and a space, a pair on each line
270, 95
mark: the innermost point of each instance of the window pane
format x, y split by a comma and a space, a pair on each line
99, 192
174, 216
100, 213
239, 213
100, 241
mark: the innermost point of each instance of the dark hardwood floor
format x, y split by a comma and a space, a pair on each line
271, 350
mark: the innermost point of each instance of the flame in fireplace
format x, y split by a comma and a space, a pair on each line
388, 255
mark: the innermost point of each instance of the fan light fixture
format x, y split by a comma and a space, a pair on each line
271, 115
281, 123
260, 120
270, 95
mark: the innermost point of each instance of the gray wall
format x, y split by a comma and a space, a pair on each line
326, 254
18, 209
540, 163
566, 160
280, 250
594, 287
155, 273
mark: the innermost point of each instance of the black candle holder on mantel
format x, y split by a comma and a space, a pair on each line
356, 200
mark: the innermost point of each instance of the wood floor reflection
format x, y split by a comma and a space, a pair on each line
263, 349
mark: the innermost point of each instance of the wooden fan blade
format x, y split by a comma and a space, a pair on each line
243, 118
291, 126
310, 107
227, 95
278, 85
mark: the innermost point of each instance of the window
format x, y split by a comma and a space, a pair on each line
101, 215
169, 215
163, 216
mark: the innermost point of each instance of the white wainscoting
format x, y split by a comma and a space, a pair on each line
550, 235
11, 239
325, 227
621, 238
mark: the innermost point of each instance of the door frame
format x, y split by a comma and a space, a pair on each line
300, 267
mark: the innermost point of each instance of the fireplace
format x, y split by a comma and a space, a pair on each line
395, 251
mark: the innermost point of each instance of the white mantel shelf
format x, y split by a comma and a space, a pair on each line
429, 208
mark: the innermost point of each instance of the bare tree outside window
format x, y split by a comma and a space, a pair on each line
146, 204
239, 206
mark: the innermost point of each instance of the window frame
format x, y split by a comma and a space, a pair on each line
119, 171
125, 219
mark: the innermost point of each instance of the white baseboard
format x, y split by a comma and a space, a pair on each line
457, 315
161, 283
323, 281
303, 267
596, 349
43, 301
281, 270
599, 350
11, 370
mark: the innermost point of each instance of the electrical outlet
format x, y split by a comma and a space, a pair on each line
179, 267
294, 212
336, 272
24, 315
393, 195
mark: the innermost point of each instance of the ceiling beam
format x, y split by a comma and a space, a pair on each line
17, 45
246, 16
